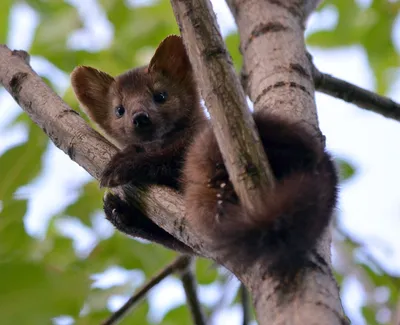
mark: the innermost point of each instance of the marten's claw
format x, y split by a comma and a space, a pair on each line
220, 177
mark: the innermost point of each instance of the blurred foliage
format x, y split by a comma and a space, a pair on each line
368, 26
43, 278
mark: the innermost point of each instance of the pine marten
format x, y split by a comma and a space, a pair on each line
154, 114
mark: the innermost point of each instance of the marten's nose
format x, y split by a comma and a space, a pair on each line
141, 120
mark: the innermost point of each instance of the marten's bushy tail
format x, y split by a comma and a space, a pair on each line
287, 223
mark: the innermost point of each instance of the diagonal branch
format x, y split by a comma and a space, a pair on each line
190, 286
353, 94
232, 122
181, 262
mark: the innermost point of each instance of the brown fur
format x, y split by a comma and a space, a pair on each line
287, 223
99, 95
156, 154
180, 150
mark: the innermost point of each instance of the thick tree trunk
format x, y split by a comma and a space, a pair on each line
277, 76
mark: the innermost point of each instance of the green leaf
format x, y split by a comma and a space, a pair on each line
56, 249
58, 20
14, 242
21, 164
179, 315
130, 254
346, 170
88, 202
206, 271
233, 45
377, 41
98, 313
150, 23
96, 317
5, 7
369, 315
371, 28
384, 280
349, 27
40, 291
138, 315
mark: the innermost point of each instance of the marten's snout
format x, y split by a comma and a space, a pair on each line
141, 120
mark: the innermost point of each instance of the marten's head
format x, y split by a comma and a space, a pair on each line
144, 104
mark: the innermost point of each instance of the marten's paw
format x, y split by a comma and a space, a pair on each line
226, 195
225, 192
123, 167
125, 217
119, 171
130, 220
220, 176
116, 211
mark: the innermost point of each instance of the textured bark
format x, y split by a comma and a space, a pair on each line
278, 78
220, 87
277, 72
63, 125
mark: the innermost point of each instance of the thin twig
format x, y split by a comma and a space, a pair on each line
245, 299
179, 263
353, 94
190, 286
224, 97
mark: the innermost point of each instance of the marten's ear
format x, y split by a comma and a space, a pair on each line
91, 87
171, 58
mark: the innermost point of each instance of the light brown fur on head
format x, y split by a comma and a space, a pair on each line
138, 91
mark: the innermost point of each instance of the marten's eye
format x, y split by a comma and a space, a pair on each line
119, 111
160, 97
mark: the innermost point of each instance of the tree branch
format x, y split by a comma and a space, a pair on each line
190, 286
353, 94
181, 262
245, 300
63, 125
276, 71
278, 78
232, 122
